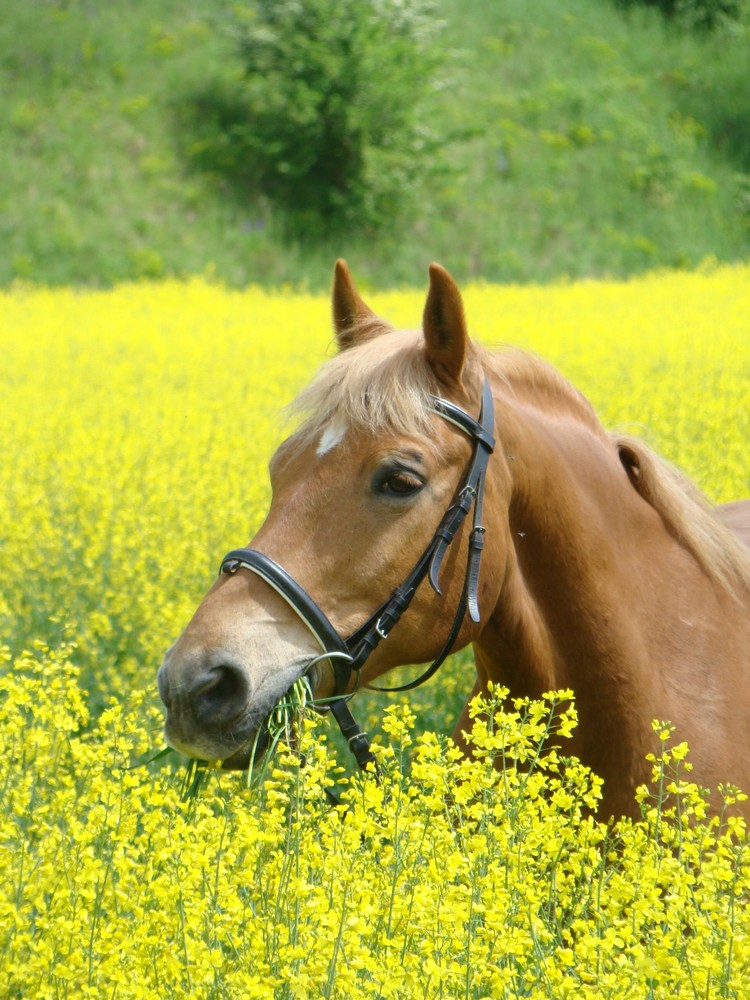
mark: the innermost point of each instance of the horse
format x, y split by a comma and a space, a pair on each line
592, 564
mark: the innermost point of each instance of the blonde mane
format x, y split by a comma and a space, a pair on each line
689, 516
369, 388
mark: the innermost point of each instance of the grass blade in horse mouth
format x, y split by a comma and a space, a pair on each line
282, 723
254, 756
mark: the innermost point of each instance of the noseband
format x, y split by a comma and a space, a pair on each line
348, 656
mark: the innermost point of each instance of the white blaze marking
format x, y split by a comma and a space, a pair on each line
331, 437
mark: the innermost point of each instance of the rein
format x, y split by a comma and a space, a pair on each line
348, 656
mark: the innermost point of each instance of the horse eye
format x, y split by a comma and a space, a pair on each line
400, 484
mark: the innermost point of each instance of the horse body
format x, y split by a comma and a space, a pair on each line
598, 595
602, 570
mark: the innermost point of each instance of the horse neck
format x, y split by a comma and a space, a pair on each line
574, 603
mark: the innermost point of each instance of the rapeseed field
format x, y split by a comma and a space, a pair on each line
135, 429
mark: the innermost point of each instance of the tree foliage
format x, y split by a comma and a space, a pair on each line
334, 123
701, 14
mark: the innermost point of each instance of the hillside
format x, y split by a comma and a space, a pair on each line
578, 141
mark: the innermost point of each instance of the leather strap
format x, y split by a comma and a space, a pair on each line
349, 655
357, 740
300, 601
472, 492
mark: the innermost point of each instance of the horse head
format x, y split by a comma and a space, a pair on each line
605, 572
358, 493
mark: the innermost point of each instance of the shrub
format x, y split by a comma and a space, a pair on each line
333, 127
702, 14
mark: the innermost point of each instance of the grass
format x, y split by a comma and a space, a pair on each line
282, 724
578, 141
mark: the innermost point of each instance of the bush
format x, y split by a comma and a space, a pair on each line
702, 14
334, 127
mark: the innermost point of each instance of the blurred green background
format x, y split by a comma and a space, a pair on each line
557, 139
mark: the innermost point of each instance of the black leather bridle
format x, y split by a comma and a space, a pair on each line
347, 656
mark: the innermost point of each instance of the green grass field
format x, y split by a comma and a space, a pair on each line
578, 141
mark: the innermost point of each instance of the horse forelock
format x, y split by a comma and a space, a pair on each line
382, 384
385, 383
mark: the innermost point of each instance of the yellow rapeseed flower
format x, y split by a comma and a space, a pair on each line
135, 433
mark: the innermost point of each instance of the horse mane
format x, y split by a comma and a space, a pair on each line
526, 374
686, 511
688, 514
369, 388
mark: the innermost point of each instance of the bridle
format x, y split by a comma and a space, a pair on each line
347, 656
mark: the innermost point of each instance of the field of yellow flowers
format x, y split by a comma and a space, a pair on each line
135, 429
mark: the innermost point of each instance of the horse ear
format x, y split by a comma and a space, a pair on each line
353, 320
631, 463
444, 326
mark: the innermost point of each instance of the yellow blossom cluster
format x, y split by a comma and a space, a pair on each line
135, 430
458, 879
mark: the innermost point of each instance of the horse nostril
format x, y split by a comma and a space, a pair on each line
221, 695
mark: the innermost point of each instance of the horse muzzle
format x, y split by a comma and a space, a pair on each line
215, 712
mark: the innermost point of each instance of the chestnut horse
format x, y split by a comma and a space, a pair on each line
603, 568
